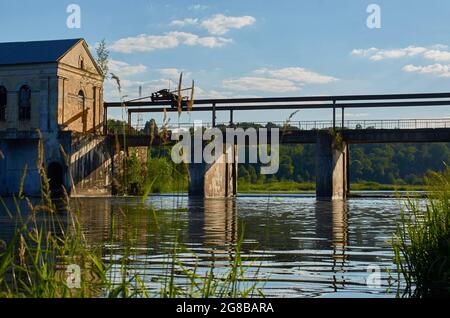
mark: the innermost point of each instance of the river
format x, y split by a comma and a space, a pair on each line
294, 246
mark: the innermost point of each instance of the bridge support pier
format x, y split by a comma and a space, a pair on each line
332, 164
217, 180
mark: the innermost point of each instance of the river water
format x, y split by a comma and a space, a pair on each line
295, 246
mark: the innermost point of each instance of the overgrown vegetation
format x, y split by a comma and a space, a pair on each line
151, 172
422, 241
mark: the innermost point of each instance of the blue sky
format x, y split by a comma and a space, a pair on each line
258, 48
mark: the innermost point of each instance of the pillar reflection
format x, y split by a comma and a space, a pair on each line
332, 226
213, 222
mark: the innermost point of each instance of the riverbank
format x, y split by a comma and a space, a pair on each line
296, 188
292, 187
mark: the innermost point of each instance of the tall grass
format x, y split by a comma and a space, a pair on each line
44, 242
422, 241
48, 237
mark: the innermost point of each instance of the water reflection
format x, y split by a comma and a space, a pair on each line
332, 224
300, 246
213, 222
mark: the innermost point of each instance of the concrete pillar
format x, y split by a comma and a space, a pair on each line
217, 180
331, 167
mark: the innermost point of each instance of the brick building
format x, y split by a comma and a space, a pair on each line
55, 87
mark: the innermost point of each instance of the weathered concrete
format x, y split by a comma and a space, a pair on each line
83, 163
21, 153
218, 180
331, 167
91, 165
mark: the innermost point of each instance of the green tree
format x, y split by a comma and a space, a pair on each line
103, 57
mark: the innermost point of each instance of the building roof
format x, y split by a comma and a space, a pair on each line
14, 53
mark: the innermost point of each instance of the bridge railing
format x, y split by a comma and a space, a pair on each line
297, 125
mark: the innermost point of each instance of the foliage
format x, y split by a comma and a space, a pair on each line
103, 57
399, 164
133, 176
422, 241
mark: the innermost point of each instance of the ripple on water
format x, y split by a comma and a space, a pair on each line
295, 246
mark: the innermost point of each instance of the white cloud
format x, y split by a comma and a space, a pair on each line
281, 80
375, 54
212, 94
156, 85
198, 7
439, 47
261, 84
148, 43
124, 69
220, 24
184, 22
297, 74
170, 72
130, 88
440, 70
436, 53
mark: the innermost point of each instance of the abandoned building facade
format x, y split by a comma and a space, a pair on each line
50, 92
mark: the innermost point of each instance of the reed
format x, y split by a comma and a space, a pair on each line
234, 282
422, 241
45, 242
48, 238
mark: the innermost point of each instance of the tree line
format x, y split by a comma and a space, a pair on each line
381, 163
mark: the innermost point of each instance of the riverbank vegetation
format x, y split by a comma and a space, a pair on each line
151, 171
292, 187
422, 241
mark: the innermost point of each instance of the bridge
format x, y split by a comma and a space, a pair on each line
332, 138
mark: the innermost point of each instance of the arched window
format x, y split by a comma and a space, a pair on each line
25, 103
3, 102
81, 100
81, 63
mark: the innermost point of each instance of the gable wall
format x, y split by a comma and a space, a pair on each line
72, 80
